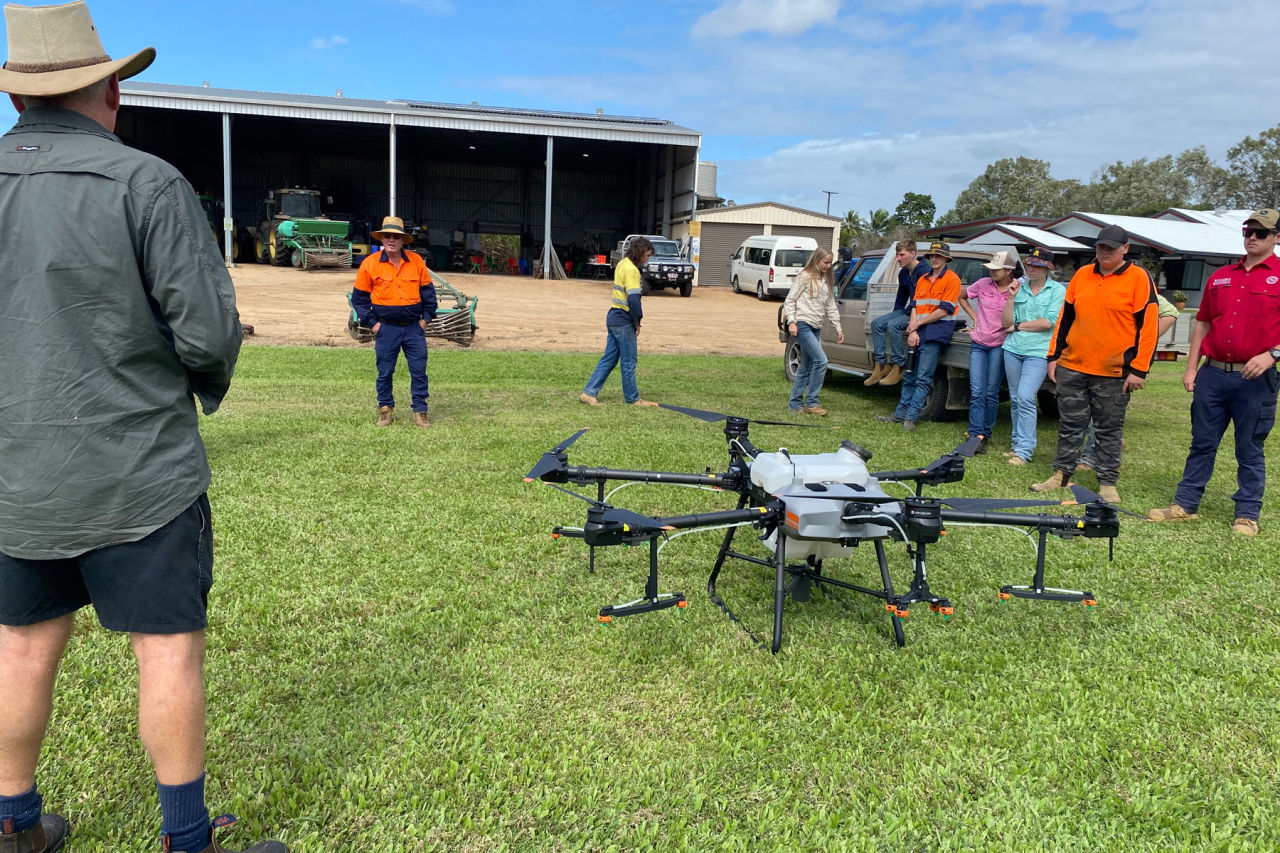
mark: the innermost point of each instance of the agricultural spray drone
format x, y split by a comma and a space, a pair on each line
807, 509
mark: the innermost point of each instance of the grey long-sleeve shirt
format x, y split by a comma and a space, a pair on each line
115, 310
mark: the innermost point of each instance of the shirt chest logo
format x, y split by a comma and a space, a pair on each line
1221, 282
1271, 279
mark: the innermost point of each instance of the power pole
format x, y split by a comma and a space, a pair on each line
830, 193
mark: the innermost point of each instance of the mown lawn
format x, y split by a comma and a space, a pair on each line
401, 658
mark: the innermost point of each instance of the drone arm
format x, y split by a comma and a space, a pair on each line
578, 474
1066, 525
727, 516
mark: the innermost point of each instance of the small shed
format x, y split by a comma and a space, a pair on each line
724, 228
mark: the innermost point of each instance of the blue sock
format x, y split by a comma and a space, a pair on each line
184, 817
21, 812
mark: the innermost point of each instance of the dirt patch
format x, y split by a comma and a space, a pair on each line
292, 307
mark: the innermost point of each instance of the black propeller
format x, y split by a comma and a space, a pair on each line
551, 460
1086, 496
616, 514
984, 504
713, 417
967, 449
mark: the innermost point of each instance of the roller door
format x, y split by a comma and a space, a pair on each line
719, 241
822, 236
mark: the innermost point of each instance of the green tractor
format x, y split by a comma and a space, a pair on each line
295, 232
242, 241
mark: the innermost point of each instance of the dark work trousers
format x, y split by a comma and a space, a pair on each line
1222, 398
386, 348
1082, 396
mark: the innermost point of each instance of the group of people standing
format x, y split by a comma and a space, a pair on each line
1094, 337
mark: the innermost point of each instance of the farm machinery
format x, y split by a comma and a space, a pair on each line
294, 232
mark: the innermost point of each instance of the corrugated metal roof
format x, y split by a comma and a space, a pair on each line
1232, 219
1027, 234
1172, 236
409, 113
715, 212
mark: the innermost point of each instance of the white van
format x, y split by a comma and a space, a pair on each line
767, 265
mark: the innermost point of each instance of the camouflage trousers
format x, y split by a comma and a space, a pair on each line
1081, 398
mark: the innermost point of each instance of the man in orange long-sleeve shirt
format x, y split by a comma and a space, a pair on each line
1100, 351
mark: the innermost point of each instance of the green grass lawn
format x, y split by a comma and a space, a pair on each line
401, 658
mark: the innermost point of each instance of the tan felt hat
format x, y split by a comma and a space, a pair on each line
56, 49
393, 225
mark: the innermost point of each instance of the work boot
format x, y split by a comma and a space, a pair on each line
909, 425
1057, 480
1245, 526
1109, 494
1173, 512
584, 397
815, 410
47, 836
876, 375
893, 377
215, 847
889, 419
386, 415
1015, 459
420, 419
644, 403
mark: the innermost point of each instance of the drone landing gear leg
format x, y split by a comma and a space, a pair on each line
779, 590
899, 636
919, 591
653, 600
1038, 590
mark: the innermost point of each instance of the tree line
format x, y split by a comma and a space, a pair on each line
1023, 186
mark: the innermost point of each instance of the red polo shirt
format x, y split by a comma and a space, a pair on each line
1242, 309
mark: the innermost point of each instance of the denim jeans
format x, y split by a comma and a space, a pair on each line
619, 346
916, 382
986, 373
894, 326
813, 368
1250, 405
387, 345
1026, 374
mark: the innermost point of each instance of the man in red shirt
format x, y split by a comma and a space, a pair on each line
1238, 332
1100, 351
394, 296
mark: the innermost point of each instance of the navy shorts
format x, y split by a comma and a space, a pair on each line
157, 585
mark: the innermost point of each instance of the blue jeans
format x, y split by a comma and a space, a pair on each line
387, 346
619, 346
813, 368
1250, 404
916, 382
893, 325
1026, 374
986, 373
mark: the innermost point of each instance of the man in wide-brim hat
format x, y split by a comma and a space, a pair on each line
394, 295
104, 341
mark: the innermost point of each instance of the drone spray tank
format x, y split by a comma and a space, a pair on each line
816, 526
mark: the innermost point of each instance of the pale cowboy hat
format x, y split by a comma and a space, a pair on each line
54, 50
393, 225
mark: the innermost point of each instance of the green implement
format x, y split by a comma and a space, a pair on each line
456, 322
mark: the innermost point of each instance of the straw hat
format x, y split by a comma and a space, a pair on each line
56, 49
393, 225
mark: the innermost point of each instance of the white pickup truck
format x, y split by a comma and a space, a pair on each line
868, 290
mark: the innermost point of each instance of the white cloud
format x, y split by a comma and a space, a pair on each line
773, 17
326, 43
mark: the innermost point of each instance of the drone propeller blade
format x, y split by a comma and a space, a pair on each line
713, 417
984, 504
618, 515
1086, 496
564, 445
550, 460
968, 448
700, 414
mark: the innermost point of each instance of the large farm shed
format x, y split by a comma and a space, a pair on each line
586, 179
723, 229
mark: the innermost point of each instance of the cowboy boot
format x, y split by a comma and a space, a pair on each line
894, 376
876, 375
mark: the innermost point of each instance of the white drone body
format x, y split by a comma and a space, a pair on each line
813, 519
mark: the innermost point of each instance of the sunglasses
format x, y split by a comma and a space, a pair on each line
1257, 233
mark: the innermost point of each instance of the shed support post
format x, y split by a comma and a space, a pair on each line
228, 224
392, 190
546, 214
667, 182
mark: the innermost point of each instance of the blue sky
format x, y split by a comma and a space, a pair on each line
793, 97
